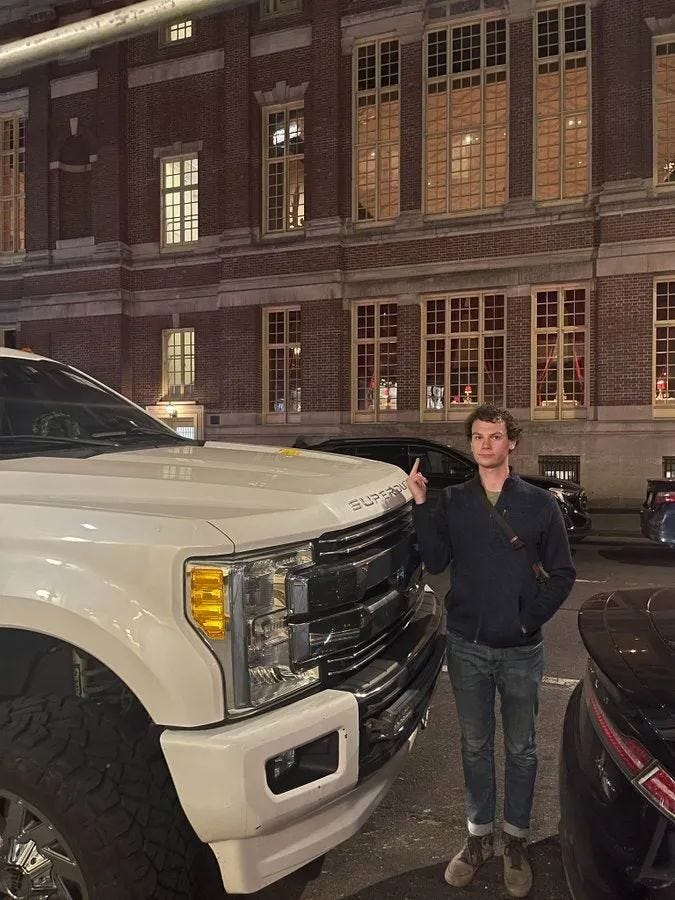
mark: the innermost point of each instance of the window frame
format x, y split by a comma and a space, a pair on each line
458, 411
187, 391
17, 199
376, 414
559, 412
355, 93
274, 13
9, 329
286, 108
285, 416
164, 192
588, 52
657, 41
482, 18
666, 411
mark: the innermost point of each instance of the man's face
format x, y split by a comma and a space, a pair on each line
490, 443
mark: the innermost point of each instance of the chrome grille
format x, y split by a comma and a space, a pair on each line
358, 596
344, 544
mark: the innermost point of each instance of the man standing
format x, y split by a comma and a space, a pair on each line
510, 566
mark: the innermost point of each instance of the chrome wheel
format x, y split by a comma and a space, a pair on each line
35, 861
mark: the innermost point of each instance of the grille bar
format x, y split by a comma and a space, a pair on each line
347, 543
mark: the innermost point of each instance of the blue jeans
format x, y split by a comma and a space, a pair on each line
516, 672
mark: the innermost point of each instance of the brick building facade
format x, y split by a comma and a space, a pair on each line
359, 216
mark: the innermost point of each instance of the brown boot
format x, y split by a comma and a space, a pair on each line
463, 866
517, 868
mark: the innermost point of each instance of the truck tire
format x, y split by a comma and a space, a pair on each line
93, 802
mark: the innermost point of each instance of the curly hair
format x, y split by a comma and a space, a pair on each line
490, 413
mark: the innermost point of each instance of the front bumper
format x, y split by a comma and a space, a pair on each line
606, 827
257, 836
220, 775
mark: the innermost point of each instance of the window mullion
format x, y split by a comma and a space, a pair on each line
378, 90
376, 363
287, 362
448, 130
448, 360
287, 144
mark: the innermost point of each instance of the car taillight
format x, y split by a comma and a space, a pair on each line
657, 785
664, 497
632, 756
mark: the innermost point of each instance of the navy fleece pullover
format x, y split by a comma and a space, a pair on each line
494, 597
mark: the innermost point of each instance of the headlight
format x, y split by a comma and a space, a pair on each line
240, 608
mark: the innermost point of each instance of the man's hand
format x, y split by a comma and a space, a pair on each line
417, 483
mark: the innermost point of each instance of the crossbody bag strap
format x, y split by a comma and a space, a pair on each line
540, 572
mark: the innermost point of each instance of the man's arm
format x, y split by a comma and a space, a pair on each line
433, 534
557, 561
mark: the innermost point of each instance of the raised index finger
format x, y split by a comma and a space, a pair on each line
415, 468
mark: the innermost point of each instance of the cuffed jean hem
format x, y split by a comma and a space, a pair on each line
480, 830
514, 831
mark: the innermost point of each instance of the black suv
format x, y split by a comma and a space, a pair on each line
445, 466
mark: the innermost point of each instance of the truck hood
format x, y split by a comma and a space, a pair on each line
256, 496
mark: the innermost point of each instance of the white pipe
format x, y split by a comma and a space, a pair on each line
108, 28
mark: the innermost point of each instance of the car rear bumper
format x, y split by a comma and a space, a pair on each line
604, 839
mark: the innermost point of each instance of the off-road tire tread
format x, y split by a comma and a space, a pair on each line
105, 785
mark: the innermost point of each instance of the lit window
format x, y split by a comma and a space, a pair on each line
466, 117
279, 7
664, 346
375, 362
284, 169
179, 364
178, 31
464, 347
560, 338
283, 381
664, 112
13, 180
669, 467
562, 102
378, 128
180, 200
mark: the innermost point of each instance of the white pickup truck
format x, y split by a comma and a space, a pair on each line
201, 644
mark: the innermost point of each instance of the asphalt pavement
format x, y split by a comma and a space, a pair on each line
401, 853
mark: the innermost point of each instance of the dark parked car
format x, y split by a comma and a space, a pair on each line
658, 512
445, 466
617, 761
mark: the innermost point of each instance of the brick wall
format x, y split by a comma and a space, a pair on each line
123, 127
520, 109
408, 356
241, 359
518, 351
624, 326
411, 132
92, 343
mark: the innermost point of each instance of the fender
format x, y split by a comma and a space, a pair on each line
117, 595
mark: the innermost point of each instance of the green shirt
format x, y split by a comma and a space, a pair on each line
493, 496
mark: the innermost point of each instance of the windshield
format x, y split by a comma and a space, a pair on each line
45, 405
